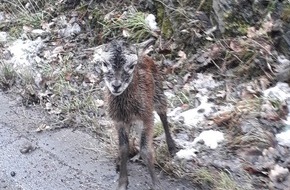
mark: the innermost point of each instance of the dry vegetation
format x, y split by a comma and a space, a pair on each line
69, 87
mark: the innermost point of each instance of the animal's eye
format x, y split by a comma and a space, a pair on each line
105, 67
105, 64
131, 67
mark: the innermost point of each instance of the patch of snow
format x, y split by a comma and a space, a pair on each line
210, 138
38, 32
25, 52
169, 95
3, 36
156, 117
204, 83
183, 143
287, 121
187, 154
126, 33
2, 16
151, 22
38, 79
281, 92
175, 112
283, 138
278, 173
195, 116
283, 60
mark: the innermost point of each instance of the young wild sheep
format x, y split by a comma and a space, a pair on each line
134, 91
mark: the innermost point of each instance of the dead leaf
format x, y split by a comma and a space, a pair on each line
182, 58
251, 32
222, 118
268, 25
68, 76
99, 103
91, 78
58, 50
182, 55
43, 127
235, 46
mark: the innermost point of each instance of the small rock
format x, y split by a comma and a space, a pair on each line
200, 59
270, 151
38, 33
12, 173
70, 30
205, 81
183, 136
278, 174
284, 138
26, 148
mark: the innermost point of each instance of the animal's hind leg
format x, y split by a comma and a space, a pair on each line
169, 140
146, 149
160, 105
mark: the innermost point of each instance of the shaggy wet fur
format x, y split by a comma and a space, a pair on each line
136, 103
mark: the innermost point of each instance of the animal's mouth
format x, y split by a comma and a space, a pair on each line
116, 90
116, 93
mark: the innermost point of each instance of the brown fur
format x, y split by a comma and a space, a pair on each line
137, 102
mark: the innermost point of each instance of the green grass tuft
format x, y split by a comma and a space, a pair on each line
134, 23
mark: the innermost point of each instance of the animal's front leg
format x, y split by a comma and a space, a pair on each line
170, 142
123, 152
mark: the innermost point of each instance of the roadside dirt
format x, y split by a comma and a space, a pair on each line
59, 159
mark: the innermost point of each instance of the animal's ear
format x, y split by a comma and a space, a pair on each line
102, 54
132, 58
144, 48
133, 49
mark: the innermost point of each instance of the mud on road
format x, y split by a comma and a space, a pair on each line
59, 159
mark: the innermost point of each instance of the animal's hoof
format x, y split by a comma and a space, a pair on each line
172, 151
123, 183
157, 186
122, 187
118, 163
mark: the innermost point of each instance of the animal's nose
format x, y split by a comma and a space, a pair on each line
116, 85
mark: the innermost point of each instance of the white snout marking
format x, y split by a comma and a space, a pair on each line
122, 88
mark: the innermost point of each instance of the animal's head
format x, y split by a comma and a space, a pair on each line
117, 61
